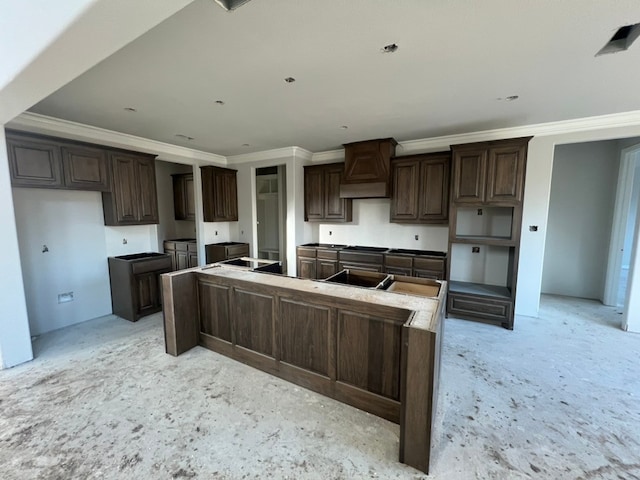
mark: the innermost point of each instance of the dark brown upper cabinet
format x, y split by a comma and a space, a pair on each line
367, 169
184, 204
322, 202
133, 199
46, 162
490, 173
219, 194
421, 188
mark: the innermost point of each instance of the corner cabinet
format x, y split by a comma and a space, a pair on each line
420, 188
485, 223
133, 199
322, 202
184, 204
219, 194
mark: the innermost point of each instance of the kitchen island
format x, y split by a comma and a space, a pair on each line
376, 350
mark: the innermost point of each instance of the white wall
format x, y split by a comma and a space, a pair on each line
15, 340
583, 190
371, 227
70, 224
631, 219
130, 239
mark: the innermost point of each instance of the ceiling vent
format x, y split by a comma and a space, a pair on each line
230, 5
621, 40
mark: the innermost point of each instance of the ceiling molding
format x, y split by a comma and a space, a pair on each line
276, 153
564, 127
329, 155
36, 123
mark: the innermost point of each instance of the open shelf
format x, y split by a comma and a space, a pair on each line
480, 289
484, 222
475, 239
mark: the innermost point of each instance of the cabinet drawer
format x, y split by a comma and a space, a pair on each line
423, 263
235, 251
327, 254
398, 261
367, 267
151, 265
306, 252
169, 245
433, 274
359, 257
192, 247
478, 306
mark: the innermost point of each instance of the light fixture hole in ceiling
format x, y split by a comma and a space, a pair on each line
219, 102
230, 5
621, 40
183, 136
289, 79
391, 48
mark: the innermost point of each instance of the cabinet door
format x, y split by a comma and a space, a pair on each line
219, 194
313, 193
193, 260
147, 200
125, 189
404, 198
147, 293
326, 268
433, 200
85, 168
189, 198
505, 174
335, 208
306, 267
469, 174
34, 163
182, 260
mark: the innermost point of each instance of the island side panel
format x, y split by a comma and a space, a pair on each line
419, 391
180, 310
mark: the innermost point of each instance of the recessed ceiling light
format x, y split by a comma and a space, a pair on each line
229, 5
344, 127
185, 137
130, 109
621, 40
219, 102
391, 48
289, 79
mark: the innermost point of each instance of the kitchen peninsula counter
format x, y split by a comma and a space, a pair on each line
376, 350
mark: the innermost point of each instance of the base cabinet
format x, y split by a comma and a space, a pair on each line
135, 284
183, 252
217, 252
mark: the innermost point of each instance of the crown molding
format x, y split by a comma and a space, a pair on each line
43, 124
328, 156
276, 153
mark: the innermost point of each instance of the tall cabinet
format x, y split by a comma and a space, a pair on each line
485, 219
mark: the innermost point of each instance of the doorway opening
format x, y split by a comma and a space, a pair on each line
271, 213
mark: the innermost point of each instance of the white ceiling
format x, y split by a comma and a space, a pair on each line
454, 61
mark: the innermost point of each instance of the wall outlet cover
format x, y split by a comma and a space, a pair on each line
65, 297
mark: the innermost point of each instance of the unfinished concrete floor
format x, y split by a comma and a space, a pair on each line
557, 398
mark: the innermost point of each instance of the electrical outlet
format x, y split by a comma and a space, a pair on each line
533, 228
475, 249
124, 241
479, 211
216, 232
330, 233
417, 237
65, 297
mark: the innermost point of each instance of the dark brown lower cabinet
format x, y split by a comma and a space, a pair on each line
371, 353
184, 253
135, 284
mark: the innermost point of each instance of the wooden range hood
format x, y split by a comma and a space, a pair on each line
367, 169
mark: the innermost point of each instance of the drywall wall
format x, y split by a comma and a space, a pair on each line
70, 224
371, 227
15, 339
130, 239
631, 217
169, 227
583, 185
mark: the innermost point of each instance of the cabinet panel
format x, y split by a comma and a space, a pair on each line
325, 268
148, 293
304, 330
215, 319
183, 197
125, 189
404, 200
193, 260
369, 353
254, 325
367, 267
182, 260
34, 163
505, 177
335, 208
85, 168
469, 176
313, 193
306, 267
147, 199
433, 205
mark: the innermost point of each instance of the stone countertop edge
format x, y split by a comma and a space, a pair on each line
422, 311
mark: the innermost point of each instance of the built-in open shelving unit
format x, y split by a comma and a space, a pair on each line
484, 235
